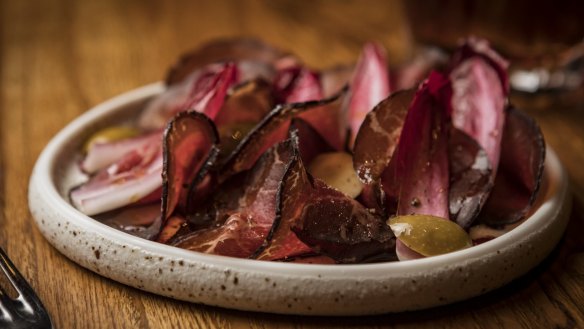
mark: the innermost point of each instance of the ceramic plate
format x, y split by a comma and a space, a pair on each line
272, 286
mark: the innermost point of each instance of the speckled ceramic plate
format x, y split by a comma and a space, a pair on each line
269, 286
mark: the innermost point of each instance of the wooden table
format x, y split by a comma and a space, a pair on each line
58, 58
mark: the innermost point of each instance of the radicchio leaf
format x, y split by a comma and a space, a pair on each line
480, 89
204, 92
243, 219
370, 85
520, 171
419, 176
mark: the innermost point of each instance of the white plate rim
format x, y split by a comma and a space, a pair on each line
42, 183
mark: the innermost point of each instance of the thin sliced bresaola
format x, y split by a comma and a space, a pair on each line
248, 102
335, 225
375, 145
310, 143
273, 129
379, 135
244, 219
369, 85
282, 243
520, 171
419, 176
236, 49
470, 178
479, 95
190, 140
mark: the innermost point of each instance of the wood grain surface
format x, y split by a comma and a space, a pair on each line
59, 58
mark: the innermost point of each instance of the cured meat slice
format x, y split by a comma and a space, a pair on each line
326, 221
190, 141
245, 217
339, 227
310, 143
273, 129
369, 85
379, 135
470, 178
520, 171
248, 102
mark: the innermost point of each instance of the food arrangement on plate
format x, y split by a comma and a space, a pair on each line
249, 153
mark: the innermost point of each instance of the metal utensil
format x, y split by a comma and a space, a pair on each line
24, 311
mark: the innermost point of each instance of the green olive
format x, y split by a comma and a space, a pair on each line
336, 169
429, 235
110, 134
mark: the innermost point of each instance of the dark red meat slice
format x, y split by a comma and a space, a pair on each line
273, 129
419, 175
281, 242
310, 143
470, 178
236, 49
379, 135
339, 227
190, 140
326, 221
520, 171
248, 102
369, 85
244, 217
